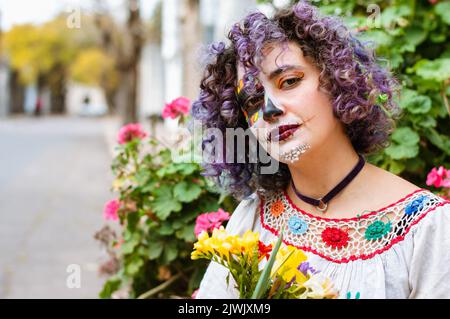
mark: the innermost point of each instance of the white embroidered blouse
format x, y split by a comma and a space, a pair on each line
399, 251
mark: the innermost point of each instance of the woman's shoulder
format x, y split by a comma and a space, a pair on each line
245, 215
388, 187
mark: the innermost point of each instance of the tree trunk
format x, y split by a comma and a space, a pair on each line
57, 85
127, 54
126, 97
17, 94
192, 38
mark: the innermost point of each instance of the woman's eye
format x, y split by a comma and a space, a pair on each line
289, 82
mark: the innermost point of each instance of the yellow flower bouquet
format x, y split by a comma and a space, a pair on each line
263, 272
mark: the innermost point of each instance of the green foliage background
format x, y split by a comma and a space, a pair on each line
160, 202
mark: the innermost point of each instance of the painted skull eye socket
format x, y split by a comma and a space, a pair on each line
251, 103
254, 103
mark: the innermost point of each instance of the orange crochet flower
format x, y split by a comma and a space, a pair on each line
277, 208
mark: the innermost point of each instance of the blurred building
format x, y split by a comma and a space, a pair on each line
85, 100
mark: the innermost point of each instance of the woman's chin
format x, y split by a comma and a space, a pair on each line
290, 151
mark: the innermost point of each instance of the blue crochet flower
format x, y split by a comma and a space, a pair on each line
297, 225
415, 205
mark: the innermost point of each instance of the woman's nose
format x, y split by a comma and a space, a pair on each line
270, 111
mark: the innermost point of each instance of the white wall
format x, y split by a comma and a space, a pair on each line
76, 93
151, 81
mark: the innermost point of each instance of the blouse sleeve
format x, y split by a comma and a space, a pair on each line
429, 275
213, 284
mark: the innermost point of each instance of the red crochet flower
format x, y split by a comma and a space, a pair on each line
335, 237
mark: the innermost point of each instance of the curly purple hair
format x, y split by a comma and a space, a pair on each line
361, 91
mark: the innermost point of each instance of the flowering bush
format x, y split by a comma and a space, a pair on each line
209, 221
111, 209
176, 108
156, 207
440, 178
286, 275
129, 132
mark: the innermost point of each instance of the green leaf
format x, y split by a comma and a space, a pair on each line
111, 285
396, 167
170, 252
437, 70
442, 9
392, 15
405, 144
415, 103
142, 176
380, 38
129, 245
166, 170
186, 233
405, 136
187, 192
402, 151
165, 229
134, 265
132, 221
426, 121
150, 186
413, 37
154, 250
164, 202
186, 168
441, 141
421, 104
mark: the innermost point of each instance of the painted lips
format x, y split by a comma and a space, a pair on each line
282, 132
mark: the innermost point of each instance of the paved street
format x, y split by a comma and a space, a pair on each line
54, 180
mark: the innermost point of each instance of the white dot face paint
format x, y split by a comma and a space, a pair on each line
294, 154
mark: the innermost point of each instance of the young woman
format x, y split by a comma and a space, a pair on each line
299, 81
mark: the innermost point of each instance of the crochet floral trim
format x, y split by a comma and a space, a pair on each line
297, 225
415, 205
344, 240
377, 230
277, 208
335, 237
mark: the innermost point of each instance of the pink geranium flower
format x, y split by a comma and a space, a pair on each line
209, 221
177, 107
439, 177
111, 209
130, 132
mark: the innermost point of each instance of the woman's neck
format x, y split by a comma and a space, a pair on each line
320, 170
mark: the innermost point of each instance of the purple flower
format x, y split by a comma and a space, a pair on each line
305, 267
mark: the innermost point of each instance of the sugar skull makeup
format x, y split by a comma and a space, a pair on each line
251, 105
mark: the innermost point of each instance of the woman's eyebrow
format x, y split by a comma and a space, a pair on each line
284, 68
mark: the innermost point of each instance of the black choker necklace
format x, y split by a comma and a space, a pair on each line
322, 203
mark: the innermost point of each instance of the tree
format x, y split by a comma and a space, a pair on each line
124, 45
191, 40
42, 54
94, 67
